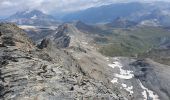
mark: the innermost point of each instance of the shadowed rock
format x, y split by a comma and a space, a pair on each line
44, 43
61, 38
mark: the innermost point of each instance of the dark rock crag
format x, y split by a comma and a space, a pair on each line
60, 39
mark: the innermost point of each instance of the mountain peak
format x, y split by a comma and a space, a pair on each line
30, 14
32, 17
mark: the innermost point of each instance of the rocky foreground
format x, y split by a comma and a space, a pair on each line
29, 73
64, 66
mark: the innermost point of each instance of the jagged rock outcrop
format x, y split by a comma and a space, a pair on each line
62, 42
61, 38
45, 43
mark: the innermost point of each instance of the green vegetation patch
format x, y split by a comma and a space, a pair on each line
133, 42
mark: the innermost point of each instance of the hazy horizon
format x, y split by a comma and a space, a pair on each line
9, 7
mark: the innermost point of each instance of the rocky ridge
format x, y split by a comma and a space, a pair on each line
30, 73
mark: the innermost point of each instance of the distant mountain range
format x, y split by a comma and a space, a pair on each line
105, 13
134, 11
32, 17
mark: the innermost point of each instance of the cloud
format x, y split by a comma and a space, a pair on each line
70, 5
7, 3
8, 7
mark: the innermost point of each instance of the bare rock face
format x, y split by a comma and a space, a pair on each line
62, 42
45, 43
61, 31
61, 38
153, 75
11, 35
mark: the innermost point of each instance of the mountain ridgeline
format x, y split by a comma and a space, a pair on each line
155, 13
119, 51
135, 11
105, 13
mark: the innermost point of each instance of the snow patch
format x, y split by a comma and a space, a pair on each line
115, 80
27, 12
124, 74
149, 92
107, 59
124, 85
34, 17
112, 65
129, 89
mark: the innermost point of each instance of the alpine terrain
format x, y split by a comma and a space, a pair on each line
109, 51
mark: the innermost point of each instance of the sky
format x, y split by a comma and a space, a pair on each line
9, 7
